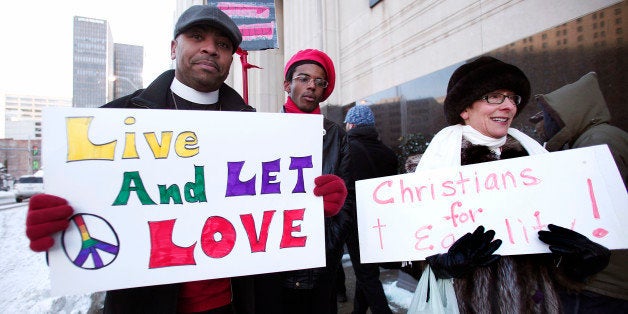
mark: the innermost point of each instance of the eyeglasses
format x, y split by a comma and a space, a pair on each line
306, 79
497, 98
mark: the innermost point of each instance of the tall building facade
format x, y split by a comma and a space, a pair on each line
21, 133
92, 63
398, 55
21, 114
128, 68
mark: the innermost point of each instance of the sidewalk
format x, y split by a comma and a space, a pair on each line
398, 298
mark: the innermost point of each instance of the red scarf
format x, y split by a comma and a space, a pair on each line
291, 107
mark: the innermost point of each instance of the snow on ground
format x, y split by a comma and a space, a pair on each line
24, 275
398, 299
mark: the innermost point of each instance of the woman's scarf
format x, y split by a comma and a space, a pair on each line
445, 148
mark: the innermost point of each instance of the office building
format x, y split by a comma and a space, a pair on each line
128, 66
21, 114
92, 63
21, 132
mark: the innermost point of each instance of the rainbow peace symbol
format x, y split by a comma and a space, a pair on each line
90, 242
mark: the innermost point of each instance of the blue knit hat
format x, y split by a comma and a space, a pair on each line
360, 115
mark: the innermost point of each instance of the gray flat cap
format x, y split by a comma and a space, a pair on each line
212, 16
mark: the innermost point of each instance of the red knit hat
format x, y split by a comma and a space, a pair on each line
316, 57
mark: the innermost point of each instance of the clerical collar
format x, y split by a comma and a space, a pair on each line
193, 95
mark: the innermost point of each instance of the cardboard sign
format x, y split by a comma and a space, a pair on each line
164, 196
409, 217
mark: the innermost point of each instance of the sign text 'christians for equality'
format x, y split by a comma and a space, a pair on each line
409, 217
164, 196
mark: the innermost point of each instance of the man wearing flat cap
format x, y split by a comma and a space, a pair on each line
205, 39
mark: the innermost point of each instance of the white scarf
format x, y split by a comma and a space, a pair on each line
444, 149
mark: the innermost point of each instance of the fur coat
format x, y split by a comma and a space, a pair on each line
514, 284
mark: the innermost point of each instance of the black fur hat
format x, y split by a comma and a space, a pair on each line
474, 79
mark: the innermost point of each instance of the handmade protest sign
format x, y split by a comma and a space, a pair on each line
409, 217
163, 196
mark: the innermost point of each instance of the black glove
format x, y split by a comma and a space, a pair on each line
578, 256
467, 253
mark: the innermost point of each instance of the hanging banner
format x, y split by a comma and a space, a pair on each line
256, 21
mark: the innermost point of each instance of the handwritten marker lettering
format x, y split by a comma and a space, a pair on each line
599, 232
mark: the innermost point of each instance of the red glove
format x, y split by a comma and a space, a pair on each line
334, 192
46, 215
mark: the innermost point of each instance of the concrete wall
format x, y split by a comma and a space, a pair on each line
397, 40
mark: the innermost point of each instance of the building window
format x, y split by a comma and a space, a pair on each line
580, 38
544, 36
579, 29
619, 31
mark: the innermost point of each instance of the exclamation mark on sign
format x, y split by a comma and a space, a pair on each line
599, 232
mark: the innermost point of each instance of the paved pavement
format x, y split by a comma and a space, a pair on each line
387, 276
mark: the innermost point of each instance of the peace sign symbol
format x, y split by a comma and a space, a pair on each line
90, 242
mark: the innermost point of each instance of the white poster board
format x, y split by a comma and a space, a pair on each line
164, 196
409, 217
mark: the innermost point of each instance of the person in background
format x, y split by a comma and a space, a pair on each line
483, 97
309, 78
370, 158
575, 116
205, 39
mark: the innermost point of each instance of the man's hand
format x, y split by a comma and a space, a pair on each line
466, 254
579, 257
334, 192
47, 214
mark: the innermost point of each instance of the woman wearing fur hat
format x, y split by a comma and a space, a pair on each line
483, 98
